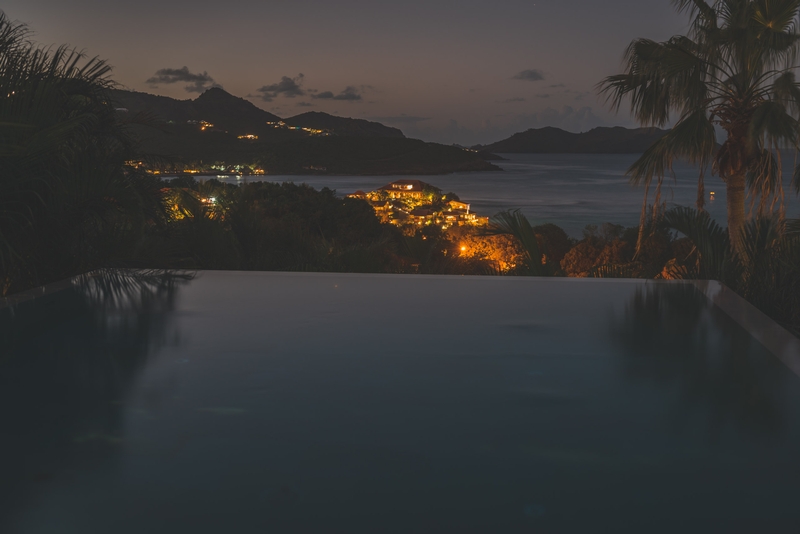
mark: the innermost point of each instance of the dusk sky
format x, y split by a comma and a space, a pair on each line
449, 71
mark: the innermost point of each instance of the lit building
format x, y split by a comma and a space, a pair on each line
408, 189
422, 215
456, 205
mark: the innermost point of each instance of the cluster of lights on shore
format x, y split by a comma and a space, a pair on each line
312, 131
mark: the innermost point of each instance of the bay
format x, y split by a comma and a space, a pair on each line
570, 190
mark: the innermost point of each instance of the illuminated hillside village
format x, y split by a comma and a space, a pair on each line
280, 125
421, 210
428, 219
414, 204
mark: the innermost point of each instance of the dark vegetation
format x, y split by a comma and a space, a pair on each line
734, 71
70, 204
267, 226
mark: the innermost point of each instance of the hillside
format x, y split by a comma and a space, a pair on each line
239, 116
343, 125
216, 106
616, 140
369, 156
308, 143
181, 146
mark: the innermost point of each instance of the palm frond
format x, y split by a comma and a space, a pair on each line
515, 224
771, 125
710, 240
692, 139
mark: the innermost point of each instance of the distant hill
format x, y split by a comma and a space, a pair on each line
183, 145
549, 140
343, 125
239, 116
216, 106
347, 146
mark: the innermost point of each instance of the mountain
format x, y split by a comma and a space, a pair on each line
230, 112
216, 106
342, 125
181, 146
343, 146
549, 140
240, 117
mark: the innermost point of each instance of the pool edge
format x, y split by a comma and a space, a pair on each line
779, 341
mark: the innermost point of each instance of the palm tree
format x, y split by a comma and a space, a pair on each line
68, 202
734, 70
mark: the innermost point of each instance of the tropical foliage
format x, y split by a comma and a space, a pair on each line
541, 249
68, 203
269, 226
765, 270
735, 70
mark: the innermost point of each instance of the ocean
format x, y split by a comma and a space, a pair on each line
570, 190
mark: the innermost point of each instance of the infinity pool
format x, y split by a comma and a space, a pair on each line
234, 402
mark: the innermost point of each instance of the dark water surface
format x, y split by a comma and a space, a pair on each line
570, 190
277, 402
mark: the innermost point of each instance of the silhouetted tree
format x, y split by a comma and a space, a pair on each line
733, 70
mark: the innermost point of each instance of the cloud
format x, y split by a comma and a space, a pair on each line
288, 87
199, 82
400, 119
557, 85
511, 100
530, 75
544, 95
304, 105
350, 94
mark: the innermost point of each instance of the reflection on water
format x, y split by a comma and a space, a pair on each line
68, 360
307, 402
673, 338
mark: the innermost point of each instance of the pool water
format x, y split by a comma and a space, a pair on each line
304, 402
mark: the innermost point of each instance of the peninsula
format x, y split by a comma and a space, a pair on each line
220, 133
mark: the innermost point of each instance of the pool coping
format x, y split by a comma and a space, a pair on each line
775, 338
36, 292
779, 341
